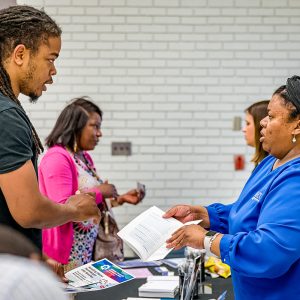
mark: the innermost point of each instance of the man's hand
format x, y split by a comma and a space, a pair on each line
85, 207
186, 213
189, 235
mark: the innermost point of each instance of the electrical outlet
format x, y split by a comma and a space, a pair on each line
121, 148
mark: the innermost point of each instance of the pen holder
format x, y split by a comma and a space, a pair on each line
192, 274
181, 279
183, 287
202, 271
201, 274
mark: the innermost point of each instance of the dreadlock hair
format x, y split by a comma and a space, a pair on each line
31, 27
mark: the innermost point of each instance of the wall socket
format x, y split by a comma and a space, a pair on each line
121, 148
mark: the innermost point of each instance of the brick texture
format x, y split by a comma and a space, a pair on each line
170, 76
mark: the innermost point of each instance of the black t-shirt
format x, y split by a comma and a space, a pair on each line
16, 147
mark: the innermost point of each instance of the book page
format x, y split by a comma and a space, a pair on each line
160, 253
148, 232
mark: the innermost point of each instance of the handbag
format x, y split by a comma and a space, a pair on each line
108, 244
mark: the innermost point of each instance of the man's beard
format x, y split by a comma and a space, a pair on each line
29, 77
33, 97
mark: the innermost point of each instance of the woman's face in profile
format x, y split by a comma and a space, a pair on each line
249, 130
277, 129
91, 133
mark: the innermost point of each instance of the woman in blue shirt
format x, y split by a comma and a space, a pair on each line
259, 234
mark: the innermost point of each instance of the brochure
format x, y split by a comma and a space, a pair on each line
97, 275
137, 263
148, 232
140, 272
173, 262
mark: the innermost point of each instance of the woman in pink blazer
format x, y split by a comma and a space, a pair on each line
67, 169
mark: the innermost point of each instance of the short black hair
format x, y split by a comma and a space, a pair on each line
71, 121
282, 92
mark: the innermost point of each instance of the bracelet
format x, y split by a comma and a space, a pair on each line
212, 239
208, 240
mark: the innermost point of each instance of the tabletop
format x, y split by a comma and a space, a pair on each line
130, 289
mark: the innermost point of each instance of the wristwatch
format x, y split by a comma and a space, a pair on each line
208, 239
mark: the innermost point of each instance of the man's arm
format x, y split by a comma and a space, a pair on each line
32, 210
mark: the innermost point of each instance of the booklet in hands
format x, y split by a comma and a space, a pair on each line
148, 232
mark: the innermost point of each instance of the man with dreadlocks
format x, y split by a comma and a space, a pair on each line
30, 42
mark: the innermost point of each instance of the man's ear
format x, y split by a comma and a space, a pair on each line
19, 54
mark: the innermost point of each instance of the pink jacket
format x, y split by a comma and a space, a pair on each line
58, 180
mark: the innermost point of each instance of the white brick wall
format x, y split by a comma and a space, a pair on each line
170, 76
6, 3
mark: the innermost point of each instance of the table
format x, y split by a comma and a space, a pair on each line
130, 289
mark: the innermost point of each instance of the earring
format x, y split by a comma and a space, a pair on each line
294, 139
75, 148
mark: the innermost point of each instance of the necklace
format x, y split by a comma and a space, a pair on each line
83, 162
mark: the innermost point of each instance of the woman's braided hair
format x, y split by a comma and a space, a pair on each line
25, 25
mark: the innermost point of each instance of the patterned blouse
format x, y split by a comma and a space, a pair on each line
85, 233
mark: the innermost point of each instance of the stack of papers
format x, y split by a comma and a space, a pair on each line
160, 286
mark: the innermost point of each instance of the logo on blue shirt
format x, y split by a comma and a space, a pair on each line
257, 196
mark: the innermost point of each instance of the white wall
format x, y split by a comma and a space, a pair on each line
170, 76
7, 3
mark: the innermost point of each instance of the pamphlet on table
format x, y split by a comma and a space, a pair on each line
148, 232
137, 263
140, 272
173, 262
97, 275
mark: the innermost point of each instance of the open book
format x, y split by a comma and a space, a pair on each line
148, 232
